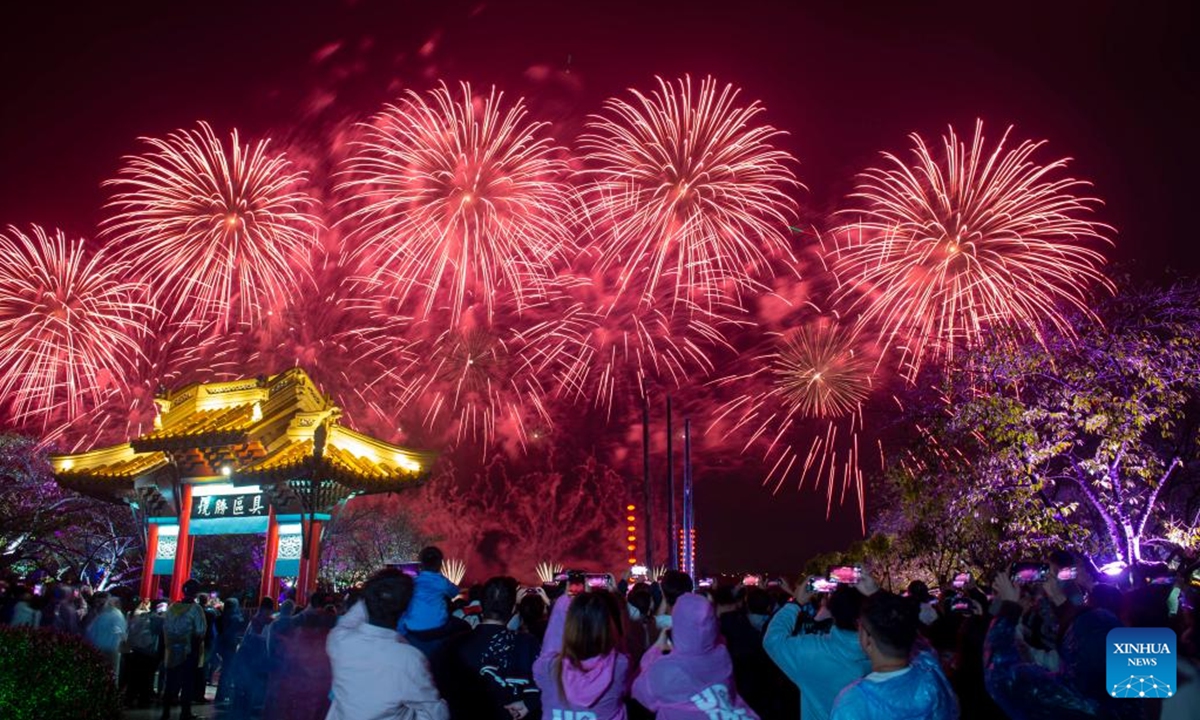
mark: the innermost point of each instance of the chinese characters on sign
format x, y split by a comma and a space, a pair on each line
229, 506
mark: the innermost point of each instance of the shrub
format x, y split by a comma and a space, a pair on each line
46, 675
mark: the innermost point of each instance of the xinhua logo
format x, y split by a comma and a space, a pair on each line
1141, 662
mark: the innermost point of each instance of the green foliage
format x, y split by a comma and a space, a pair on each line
45, 675
1025, 446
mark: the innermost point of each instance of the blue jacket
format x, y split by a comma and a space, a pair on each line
922, 693
820, 665
428, 609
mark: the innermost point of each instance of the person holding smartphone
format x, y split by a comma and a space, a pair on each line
820, 664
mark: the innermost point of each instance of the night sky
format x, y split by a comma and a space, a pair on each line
1111, 84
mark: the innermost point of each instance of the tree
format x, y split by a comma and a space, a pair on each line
366, 534
45, 528
1041, 433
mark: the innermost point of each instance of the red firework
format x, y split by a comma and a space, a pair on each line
817, 378
974, 244
460, 195
610, 350
347, 339
218, 231
69, 326
474, 381
685, 191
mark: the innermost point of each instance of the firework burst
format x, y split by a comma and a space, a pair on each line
462, 199
69, 326
218, 231
474, 381
685, 191
974, 244
349, 341
820, 373
816, 380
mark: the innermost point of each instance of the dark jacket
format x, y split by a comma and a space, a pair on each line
497, 667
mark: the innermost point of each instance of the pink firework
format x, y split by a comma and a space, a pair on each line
686, 191
473, 382
69, 326
218, 231
610, 350
348, 340
814, 382
972, 245
462, 199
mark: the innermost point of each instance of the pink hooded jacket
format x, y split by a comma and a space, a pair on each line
695, 680
596, 691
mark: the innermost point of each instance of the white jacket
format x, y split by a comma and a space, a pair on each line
377, 675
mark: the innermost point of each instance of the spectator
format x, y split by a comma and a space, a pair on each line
901, 684
108, 631
251, 665
183, 637
300, 677
498, 661
642, 631
23, 614
145, 645
580, 669
674, 584
821, 665
533, 608
209, 646
695, 680
425, 624
1026, 690
376, 674
231, 629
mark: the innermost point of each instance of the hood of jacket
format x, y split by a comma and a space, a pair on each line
694, 628
586, 684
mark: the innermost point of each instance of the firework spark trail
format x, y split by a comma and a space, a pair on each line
951, 249
817, 377
185, 353
610, 350
219, 232
478, 379
70, 326
460, 195
684, 190
347, 338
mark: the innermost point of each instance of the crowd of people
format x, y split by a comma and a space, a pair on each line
1024, 647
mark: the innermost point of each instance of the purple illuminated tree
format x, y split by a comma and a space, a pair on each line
1105, 423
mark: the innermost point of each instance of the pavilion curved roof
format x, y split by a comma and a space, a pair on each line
259, 431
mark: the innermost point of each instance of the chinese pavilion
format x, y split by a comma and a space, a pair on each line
263, 455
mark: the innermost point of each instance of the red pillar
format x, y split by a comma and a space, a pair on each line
183, 559
147, 586
270, 555
314, 558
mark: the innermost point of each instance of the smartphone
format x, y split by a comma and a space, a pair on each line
845, 574
411, 569
961, 604
961, 580
752, 580
704, 583
820, 585
599, 581
1068, 573
1027, 573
